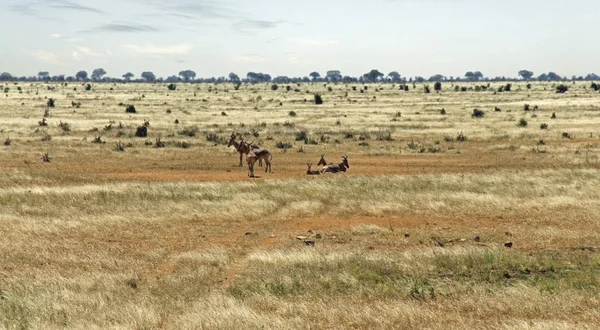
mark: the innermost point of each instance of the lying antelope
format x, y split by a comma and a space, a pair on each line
242, 148
310, 172
252, 155
336, 168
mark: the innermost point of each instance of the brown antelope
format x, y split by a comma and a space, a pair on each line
242, 148
310, 172
336, 168
252, 155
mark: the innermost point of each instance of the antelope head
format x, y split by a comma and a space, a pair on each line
231, 140
345, 161
322, 161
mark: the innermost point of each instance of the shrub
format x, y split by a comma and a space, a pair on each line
387, 136
464, 89
522, 122
437, 86
159, 143
318, 99
562, 89
311, 141
526, 107
456, 88
189, 131
427, 90
553, 115
173, 87
183, 145
98, 140
292, 114
43, 122
566, 135
478, 113
46, 157
274, 87
508, 87
141, 131
65, 126
50, 103
443, 111
349, 135
301, 135
88, 87
8, 141
528, 86
461, 137
120, 146
544, 126
283, 145
595, 86
130, 109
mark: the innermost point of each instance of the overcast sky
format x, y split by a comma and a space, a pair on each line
294, 38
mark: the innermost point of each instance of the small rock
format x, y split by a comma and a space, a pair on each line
508, 244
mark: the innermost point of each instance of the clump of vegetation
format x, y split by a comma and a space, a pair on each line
385, 136
88, 87
301, 135
75, 104
522, 122
130, 109
274, 87
443, 111
318, 99
348, 134
292, 114
159, 143
566, 135
173, 87
553, 115
461, 137
46, 157
437, 86
50, 103
478, 113
223, 113
120, 146
496, 109
526, 107
189, 131
183, 145
288, 124
595, 86
46, 136
283, 145
427, 89
211, 137
543, 126
65, 126
141, 131
7, 141
98, 140
43, 122
508, 87
562, 88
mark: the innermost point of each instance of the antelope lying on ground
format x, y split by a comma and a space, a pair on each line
252, 155
336, 168
242, 148
310, 172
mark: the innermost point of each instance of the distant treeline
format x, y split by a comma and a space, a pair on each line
333, 76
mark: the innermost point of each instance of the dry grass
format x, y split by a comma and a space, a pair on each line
411, 237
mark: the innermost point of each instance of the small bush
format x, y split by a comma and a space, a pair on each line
141, 131
522, 122
526, 107
443, 111
553, 115
173, 87
478, 113
46, 157
595, 86
88, 87
543, 126
274, 87
301, 135
412, 145
464, 89
562, 88
566, 135
98, 140
7, 141
283, 145
437, 86
120, 146
348, 135
496, 109
288, 124
461, 137
528, 86
130, 109
43, 122
508, 87
189, 131
223, 113
427, 90
292, 114
318, 99
65, 126
50, 103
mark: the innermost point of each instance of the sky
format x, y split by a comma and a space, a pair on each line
294, 38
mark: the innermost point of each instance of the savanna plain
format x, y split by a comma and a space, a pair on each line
444, 220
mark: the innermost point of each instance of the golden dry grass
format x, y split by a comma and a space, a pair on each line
411, 237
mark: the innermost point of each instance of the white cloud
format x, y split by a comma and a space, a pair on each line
48, 57
75, 56
315, 41
56, 36
88, 51
165, 50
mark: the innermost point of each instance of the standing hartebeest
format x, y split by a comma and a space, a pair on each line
252, 155
243, 148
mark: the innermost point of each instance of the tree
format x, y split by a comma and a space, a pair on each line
474, 76
543, 77
128, 76
149, 76
592, 76
187, 75
554, 76
315, 76
437, 77
394, 76
81, 75
373, 75
334, 76
98, 73
43, 75
526, 74
234, 77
